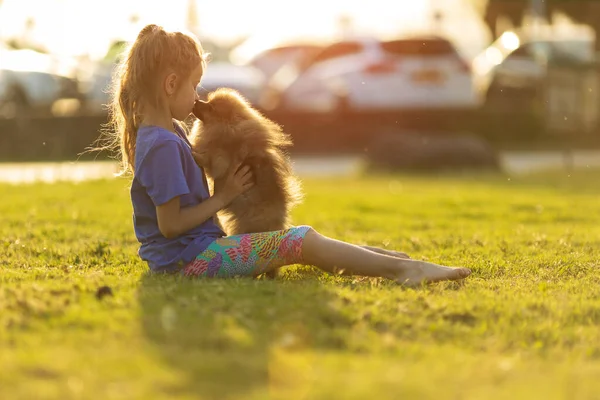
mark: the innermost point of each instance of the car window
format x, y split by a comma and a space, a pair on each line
337, 50
276, 52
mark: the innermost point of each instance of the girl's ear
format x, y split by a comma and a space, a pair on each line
171, 84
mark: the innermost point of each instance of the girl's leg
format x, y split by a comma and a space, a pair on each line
392, 253
249, 254
257, 253
335, 256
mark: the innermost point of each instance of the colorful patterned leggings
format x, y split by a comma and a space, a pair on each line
249, 254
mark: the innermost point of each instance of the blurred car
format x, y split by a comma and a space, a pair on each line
511, 70
425, 73
32, 83
271, 60
269, 54
247, 80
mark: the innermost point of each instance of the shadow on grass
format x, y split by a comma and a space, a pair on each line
223, 336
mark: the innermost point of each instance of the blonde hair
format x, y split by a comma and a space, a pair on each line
154, 52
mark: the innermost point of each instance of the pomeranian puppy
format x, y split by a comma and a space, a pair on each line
229, 131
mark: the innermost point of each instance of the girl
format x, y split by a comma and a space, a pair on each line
173, 212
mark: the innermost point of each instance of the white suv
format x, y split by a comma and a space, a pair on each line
367, 74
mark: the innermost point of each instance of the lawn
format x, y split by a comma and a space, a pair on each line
525, 325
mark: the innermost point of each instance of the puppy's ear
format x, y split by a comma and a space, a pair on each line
201, 108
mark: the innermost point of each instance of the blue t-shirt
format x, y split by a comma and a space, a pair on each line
165, 169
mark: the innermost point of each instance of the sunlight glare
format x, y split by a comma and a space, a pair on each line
79, 27
510, 41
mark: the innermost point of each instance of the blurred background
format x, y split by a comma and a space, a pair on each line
404, 85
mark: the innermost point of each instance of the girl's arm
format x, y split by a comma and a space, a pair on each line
174, 221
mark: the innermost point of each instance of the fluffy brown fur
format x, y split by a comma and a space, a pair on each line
229, 131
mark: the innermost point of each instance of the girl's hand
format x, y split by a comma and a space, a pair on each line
237, 182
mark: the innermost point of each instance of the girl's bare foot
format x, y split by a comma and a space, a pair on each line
415, 273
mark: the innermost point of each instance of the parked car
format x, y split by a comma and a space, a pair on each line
269, 54
271, 60
424, 72
510, 72
31, 83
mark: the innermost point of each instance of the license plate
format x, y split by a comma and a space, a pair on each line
428, 76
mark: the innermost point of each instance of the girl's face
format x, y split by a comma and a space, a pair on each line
183, 93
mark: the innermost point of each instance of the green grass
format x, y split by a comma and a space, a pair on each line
523, 326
